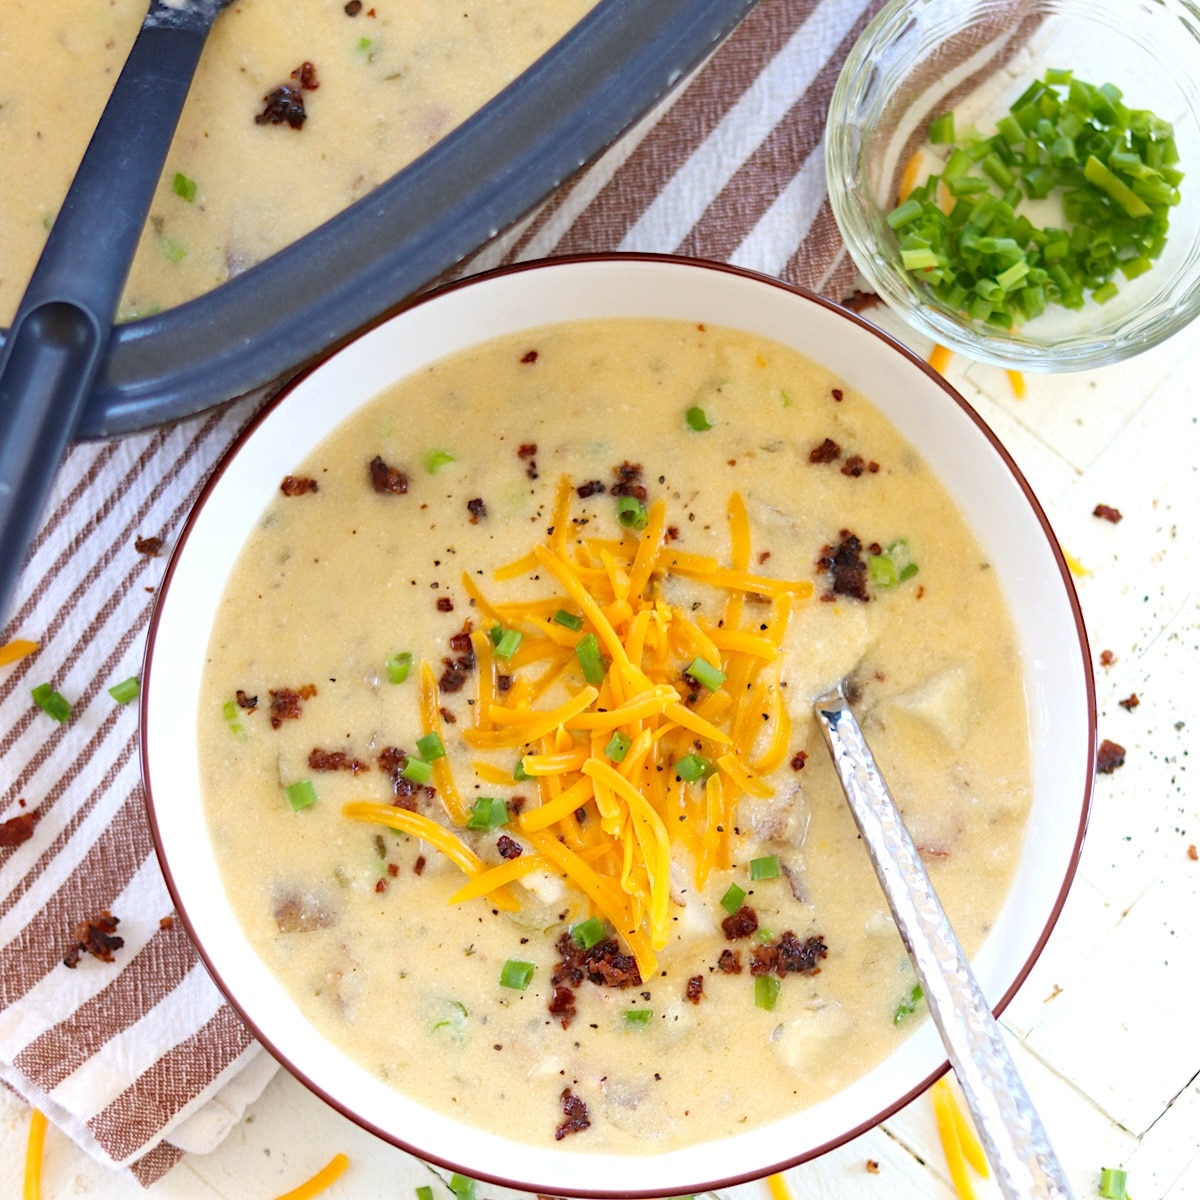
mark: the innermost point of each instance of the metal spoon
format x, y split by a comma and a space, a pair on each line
1009, 1127
60, 333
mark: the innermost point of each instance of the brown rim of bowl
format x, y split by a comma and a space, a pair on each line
473, 1170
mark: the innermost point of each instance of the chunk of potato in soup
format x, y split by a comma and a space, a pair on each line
392, 77
623, 556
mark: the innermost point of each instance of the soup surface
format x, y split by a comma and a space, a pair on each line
605, 567
391, 77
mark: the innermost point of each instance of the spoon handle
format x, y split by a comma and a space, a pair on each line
58, 338
1011, 1131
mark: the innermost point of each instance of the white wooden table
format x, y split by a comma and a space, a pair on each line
1105, 1031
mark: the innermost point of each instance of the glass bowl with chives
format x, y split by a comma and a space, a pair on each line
1020, 179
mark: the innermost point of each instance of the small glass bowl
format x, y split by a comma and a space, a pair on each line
920, 58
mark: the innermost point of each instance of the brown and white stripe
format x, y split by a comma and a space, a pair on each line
126, 1057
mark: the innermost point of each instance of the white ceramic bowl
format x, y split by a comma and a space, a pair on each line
974, 467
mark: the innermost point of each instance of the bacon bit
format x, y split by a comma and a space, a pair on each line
1192, 853
508, 848
503, 683
353, 8
452, 678
562, 1005
419, 865
828, 451
250, 703
741, 924
629, 481
286, 704
603, 964
1107, 658
527, 449
150, 546
593, 487
854, 466
335, 760
445, 604
97, 937
460, 643
393, 869
730, 962
18, 829
846, 564
167, 922
530, 356
1130, 702
381, 885
1107, 513
672, 533
298, 485
392, 761
788, 954
306, 76
387, 479
283, 106
695, 989
837, 394
798, 760
477, 509
448, 716
576, 1112
872, 1167
1110, 757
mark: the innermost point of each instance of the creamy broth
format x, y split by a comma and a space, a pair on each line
353, 916
392, 80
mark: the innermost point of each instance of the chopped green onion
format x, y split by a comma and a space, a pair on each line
52, 703
1112, 1183
424, 1192
415, 770
697, 419
618, 746
588, 933
230, 712
631, 512
184, 187
587, 650
430, 747
941, 130
172, 251
763, 935
706, 674
520, 775
638, 1016
126, 690
694, 767
300, 795
435, 460
516, 974
766, 991
462, 1187
568, 620
908, 1005
506, 647
487, 813
894, 566
398, 666
764, 868
732, 900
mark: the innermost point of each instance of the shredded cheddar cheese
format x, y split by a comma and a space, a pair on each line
330, 1172
939, 358
34, 1149
778, 1188
959, 1141
1017, 381
16, 650
635, 808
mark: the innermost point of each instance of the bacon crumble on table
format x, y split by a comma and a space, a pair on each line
97, 937
1107, 658
1130, 702
1110, 756
298, 485
151, 546
1107, 513
387, 480
18, 829
576, 1112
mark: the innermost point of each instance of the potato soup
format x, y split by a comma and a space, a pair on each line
265, 150
507, 746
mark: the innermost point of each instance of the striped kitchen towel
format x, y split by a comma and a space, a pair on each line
139, 1059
